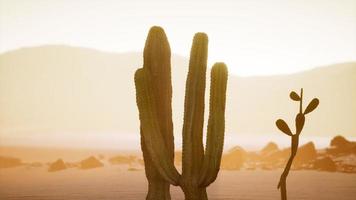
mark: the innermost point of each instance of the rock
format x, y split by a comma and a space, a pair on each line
346, 164
340, 146
101, 157
90, 163
347, 159
122, 160
57, 166
276, 157
253, 156
347, 168
305, 155
132, 169
141, 162
72, 164
178, 158
269, 148
234, 159
9, 162
324, 164
339, 141
271, 157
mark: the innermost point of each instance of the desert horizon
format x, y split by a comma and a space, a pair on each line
52, 173
25, 155
173, 100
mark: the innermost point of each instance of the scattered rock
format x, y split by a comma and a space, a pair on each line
72, 164
339, 141
269, 148
132, 169
234, 159
253, 156
90, 163
276, 157
178, 158
341, 146
57, 166
347, 168
101, 157
120, 160
9, 162
141, 162
324, 164
347, 159
305, 155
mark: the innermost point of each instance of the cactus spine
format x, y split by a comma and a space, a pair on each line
299, 124
153, 96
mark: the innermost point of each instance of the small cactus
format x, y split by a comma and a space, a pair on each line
153, 97
299, 124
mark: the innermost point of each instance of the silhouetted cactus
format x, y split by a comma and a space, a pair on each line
157, 63
299, 124
153, 96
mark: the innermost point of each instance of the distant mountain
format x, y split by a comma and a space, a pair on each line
62, 88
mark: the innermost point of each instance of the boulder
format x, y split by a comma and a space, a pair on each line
90, 163
345, 168
340, 146
339, 142
141, 162
234, 159
132, 169
346, 163
122, 160
101, 157
57, 166
277, 156
72, 164
324, 164
276, 159
9, 162
305, 154
269, 148
178, 158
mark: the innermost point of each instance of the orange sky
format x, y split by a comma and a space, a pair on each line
252, 37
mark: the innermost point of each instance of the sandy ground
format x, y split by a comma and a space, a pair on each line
115, 182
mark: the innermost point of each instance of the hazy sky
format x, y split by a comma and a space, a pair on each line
252, 37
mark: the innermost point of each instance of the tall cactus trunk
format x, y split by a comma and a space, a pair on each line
194, 193
157, 56
158, 187
153, 97
193, 149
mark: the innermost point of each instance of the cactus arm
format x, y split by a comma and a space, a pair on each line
193, 150
152, 136
301, 101
216, 125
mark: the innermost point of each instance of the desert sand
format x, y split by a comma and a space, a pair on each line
116, 182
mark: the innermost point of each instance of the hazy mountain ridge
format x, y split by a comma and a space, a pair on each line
54, 88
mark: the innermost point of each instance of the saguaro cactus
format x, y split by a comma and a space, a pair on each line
153, 96
157, 63
299, 124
